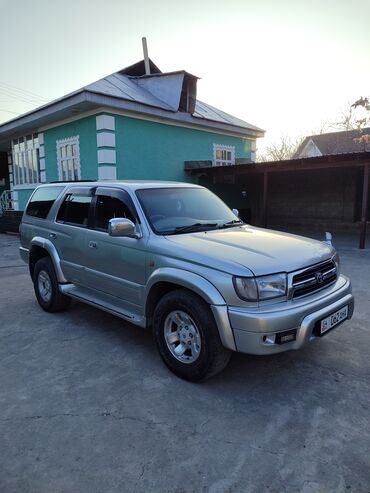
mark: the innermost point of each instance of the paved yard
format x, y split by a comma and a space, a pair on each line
87, 405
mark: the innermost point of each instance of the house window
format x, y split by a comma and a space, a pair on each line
26, 160
68, 153
223, 155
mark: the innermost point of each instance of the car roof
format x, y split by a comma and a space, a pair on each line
131, 184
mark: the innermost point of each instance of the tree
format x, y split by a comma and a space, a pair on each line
282, 149
363, 120
347, 120
356, 116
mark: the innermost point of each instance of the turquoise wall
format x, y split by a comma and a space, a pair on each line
23, 196
144, 150
150, 150
86, 129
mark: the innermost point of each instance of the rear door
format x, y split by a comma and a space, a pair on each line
69, 232
115, 265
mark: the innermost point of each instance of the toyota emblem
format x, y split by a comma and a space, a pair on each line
319, 277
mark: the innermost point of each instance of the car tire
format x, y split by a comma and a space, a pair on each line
187, 336
46, 287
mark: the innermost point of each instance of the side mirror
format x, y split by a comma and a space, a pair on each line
120, 226
236, 212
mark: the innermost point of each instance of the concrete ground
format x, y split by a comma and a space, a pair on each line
87, 405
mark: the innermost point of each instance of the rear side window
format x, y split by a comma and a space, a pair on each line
42, 201
75, 209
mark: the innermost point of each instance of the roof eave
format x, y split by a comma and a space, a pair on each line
84, 100
44, 114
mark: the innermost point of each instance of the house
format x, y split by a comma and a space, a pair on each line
138, 123
346, 141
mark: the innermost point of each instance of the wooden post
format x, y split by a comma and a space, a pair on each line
365, 197
264, 199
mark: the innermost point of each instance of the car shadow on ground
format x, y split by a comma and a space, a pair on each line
269, 373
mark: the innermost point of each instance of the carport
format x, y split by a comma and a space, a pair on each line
318, 193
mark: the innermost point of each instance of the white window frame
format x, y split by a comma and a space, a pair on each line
63, 161
225, 160
26, 161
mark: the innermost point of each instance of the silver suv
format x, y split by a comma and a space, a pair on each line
173, 257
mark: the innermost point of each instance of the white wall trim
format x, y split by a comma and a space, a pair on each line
106, 139
41, 139
42, 152
106, 156
43, 176
107, 173
42, 164
105, 122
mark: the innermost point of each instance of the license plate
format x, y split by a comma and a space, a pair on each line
333, 320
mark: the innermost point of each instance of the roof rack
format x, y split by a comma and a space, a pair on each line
72, 181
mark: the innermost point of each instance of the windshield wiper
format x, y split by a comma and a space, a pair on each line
234, 222
193, 227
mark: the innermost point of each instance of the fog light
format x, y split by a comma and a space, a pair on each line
284, 337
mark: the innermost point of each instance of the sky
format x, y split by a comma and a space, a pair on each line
287, 66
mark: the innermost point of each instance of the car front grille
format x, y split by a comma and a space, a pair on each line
314, 278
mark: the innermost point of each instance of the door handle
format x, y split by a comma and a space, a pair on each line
52, 235
92, 244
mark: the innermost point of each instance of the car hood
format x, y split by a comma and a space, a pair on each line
262, 251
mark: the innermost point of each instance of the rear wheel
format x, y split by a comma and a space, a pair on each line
187, 336
46, 287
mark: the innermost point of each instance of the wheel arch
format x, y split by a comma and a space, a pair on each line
40, 247
168, 279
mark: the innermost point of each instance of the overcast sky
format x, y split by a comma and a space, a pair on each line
284, 65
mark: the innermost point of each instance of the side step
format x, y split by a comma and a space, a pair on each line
103, 302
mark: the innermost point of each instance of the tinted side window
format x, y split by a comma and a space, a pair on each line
75, 209
42, 200
108, 207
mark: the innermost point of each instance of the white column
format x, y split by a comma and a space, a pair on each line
106, 147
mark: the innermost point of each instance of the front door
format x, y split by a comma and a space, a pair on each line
115, 265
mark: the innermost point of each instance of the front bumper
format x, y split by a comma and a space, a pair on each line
253, 329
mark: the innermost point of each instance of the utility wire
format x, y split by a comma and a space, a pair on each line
24, 91
20, 97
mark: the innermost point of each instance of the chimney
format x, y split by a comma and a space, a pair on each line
146, 58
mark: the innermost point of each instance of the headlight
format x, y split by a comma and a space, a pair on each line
337, 262
260, 288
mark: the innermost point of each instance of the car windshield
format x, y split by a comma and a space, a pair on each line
185, 210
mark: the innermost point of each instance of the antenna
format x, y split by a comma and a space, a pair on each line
146, 57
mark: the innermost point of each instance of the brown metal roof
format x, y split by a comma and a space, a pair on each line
337, 142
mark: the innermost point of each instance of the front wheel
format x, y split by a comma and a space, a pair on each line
187, 336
